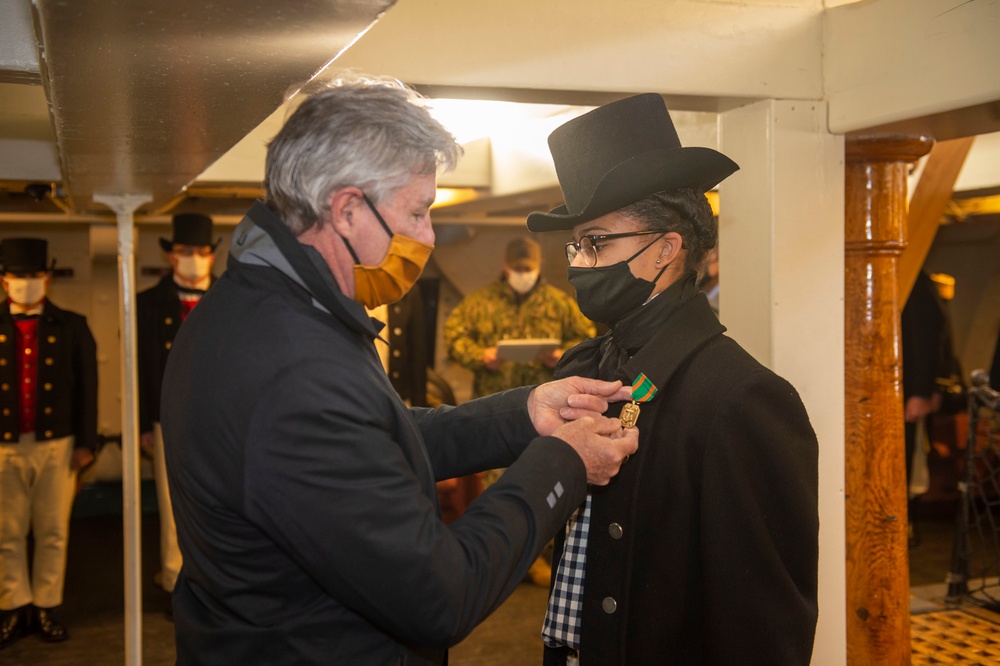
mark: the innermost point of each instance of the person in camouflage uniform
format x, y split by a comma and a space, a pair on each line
520, 305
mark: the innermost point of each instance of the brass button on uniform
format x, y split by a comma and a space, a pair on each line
48, 386
3, 361
8, 436
47, 410
615, 530
5, 386
168, 345
609, 605
6, 411
168, 321
3, 338
51, 339
48, 434
49, 361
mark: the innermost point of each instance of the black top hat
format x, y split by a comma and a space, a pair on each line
24, 256
620, 153
190, 229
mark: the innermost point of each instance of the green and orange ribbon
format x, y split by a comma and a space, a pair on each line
643, 390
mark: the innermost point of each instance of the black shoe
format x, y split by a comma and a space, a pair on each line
13, 626
48, 626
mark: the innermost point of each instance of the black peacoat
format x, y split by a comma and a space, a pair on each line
304, 490
66, 397
704, 550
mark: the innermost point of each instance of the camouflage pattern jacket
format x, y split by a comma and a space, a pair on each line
496, 312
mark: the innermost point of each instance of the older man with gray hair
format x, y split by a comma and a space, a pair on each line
304, 489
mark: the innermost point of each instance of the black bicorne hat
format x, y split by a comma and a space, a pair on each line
24, 256
190, 229
620, 153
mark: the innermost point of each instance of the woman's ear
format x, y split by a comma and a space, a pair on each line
671, 247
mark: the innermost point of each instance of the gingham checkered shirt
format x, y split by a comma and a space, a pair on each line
562, 619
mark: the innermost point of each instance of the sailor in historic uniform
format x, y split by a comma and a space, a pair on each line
48, 431
160, 311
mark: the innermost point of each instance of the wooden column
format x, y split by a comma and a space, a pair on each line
878, 595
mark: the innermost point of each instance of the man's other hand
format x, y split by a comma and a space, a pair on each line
555, 403
601, 443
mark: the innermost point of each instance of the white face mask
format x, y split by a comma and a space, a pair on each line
26, 291
193, 268
522, 281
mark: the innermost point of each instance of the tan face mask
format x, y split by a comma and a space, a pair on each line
395, 275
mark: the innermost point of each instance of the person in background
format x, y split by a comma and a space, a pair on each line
48, 432
709, 283
519, 305
160, 310
704, 549
303, 487
927, 359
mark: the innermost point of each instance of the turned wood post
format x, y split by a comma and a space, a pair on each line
878, 580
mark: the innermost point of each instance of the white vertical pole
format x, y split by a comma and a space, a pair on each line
124, 206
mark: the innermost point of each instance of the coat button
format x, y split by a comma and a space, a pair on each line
6, 411
51, 339
615, 530
48, 434
8, 436
609, 605
5, 386
168, 321
3, 361
168, 344
396, 353
397, 331
47, 410
47, 386
3, 338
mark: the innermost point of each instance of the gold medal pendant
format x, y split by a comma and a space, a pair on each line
643, 390
629, 415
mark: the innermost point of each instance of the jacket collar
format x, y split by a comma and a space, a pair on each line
687, 329
261, 239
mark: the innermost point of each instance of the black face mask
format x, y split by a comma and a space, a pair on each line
608, 293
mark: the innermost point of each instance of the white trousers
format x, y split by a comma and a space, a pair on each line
170, 553
37, 488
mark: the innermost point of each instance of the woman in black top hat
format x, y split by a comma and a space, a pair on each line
704, 549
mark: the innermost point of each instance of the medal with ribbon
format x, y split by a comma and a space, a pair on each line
643, 390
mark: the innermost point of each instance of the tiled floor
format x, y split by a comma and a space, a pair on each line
966, 636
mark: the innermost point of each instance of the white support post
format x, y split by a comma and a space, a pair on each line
781, 261
124, 206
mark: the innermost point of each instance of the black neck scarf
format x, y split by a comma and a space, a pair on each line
601, 357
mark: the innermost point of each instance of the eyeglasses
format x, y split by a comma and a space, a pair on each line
588, 246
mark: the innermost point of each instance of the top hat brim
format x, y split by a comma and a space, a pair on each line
168, 246
655, 171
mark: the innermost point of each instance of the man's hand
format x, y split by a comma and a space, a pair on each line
917, 407
555, 403
81, 458
601, 443
146, 441
490, 359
